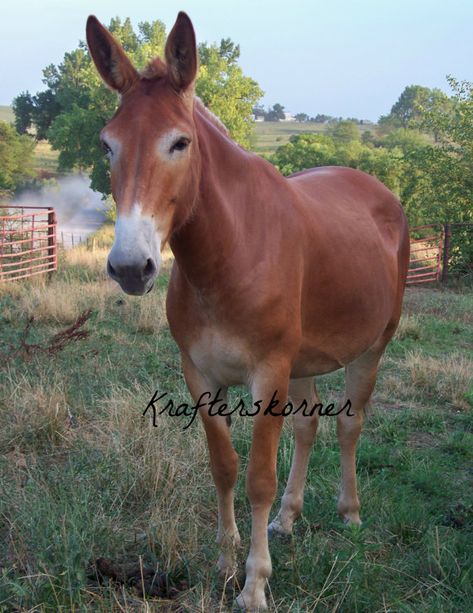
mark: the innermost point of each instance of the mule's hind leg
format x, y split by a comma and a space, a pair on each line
305, 429
360, 382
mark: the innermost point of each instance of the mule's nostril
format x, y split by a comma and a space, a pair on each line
149, 269
110, 270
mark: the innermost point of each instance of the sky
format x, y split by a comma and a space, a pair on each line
349, 58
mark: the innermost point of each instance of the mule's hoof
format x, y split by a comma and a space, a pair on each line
275, 530
353, 521
250, 605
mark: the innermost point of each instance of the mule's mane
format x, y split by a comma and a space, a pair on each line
157, 69
218, 123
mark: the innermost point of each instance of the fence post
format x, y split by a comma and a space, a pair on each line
446, 252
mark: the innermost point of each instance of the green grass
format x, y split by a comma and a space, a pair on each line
269, 135
84, 475
6, 114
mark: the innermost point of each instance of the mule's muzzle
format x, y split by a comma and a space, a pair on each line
135, 278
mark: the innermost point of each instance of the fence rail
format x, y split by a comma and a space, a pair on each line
28, 244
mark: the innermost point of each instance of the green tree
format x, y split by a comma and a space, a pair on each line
301, 117
16, 158
410, 106
23, 107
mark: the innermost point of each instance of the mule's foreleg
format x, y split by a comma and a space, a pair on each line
223, 465
360, 382
261, 482
305, 429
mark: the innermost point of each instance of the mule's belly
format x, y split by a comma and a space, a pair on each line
226, 360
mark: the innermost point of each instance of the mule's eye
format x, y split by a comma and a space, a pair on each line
106, 148
181, 144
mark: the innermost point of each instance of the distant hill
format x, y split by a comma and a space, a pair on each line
6, 114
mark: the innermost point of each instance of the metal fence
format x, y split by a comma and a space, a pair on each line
28, 244
426, 254
439, 251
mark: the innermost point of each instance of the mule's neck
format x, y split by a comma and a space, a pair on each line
222, 214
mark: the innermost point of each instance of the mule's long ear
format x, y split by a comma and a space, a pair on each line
181, 53
111, 61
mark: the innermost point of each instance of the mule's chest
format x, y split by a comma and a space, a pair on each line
220, 356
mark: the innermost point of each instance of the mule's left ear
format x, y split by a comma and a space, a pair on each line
181, 53
111, 61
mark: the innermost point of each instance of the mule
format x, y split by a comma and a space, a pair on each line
275, 280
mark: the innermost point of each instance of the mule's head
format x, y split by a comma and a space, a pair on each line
151, 143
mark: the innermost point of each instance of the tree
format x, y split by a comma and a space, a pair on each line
345, 131
320, 118
23, 107
302, 117
412, 102
276, 113
16, 158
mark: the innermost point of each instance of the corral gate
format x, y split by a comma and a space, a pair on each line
27, 241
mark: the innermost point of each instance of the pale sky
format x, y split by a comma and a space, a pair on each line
339, 57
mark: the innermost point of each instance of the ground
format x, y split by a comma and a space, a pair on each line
83, 475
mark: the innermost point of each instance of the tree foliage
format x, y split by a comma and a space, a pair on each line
427, 161
225, 90
76, 105
411, 105
16, 158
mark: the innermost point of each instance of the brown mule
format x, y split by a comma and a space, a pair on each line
275, 279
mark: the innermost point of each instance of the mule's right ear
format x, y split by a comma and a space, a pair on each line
109, 58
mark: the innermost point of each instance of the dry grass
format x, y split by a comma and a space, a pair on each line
409, 327
62, 302
37, 417
448, 379
92, 261
165, 469
151, 313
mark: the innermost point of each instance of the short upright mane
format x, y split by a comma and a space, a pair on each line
157, 69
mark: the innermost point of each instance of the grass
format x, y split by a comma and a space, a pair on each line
84, 475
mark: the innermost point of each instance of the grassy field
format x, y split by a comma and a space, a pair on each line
45, 159
6, 114
83, 475
269, 135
